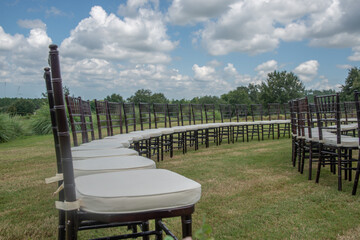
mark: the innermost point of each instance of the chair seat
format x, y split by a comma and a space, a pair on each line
102, 144
135, 191
280, 121
346, 141
111, 164
213, 125
225, 124
163, 131
178, 129
81, 155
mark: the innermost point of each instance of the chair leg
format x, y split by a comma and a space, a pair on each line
186, 223
339, 169
356, 180
310, 160
319, 164
71, 226
158, 229
145, 227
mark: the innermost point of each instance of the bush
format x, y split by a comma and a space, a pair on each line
22, 107
41, 121
11, 127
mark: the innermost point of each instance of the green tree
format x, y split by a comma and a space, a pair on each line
352, 84
238, 96
207, 100
158, 98
280, 87
254, 92
114, 98
142, 95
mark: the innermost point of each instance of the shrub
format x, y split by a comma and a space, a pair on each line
11, 127
22, 107
41, 121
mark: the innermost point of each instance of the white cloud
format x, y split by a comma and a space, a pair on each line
9, 42
140, 39
30, 24
204, 73
131, 8
307, 71
53, 11
255, 27
356, 54
23, 58
344, 66
323, 84
265, 68
182, 12
230, 70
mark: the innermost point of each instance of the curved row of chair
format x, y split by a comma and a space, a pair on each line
321, 134
104, 184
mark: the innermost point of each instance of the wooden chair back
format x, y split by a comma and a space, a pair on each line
102, 116
129, 116
115, 117
209, 113
160, 114
197, 113
145, 115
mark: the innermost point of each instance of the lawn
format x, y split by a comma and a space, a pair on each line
249, 191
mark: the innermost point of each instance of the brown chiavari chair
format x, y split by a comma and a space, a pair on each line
335, 149
286, 112
76, 118
88, 121
115, 117
180, 138
241, 129
213, 132
226, 117
102, 116
129, 117
161, 121
274, 116
357, 169
308, 141
198, 118
293, 106
145, 115
86, 167
192, 134
257, 117
82, 211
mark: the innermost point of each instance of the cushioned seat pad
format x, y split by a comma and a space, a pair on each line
102, 144
80, 155
111, 164
135, 191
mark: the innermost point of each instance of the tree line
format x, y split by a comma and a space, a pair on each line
279, 87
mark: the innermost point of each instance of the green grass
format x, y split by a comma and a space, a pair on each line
249, 191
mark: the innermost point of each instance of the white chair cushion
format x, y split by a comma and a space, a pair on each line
135, 191
191, 127
111, 164
102, 144
346, 141
80, 155
225, 124
213, 125
166, 131
179, 129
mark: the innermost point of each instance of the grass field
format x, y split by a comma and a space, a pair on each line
249, 191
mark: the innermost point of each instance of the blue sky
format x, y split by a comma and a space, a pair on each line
182, 48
